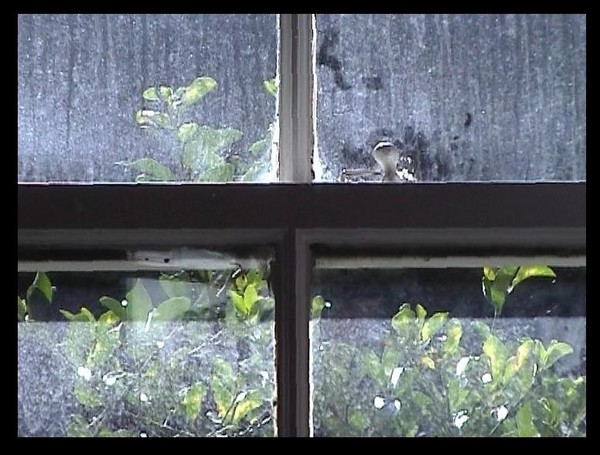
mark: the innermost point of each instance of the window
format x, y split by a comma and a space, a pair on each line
296, 241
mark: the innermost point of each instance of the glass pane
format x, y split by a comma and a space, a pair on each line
458, 97
122, 98
419, 352
149, 354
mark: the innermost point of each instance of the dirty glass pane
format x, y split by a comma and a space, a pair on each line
418, 352
146, 354
460, 97
123, 98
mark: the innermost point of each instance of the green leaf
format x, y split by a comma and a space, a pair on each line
149, 117
495, 289
166, 93
552, 410
193, 400
524, 419
150, 94
316, 306
21, 309
202, 153
244, 407
260, 147
250, 298
106, 342
433, 325
174, 286
220, 173
41, 282
516, 362
238, 303
87, 396
84, 315
454, 332
78, 428
141, 119
498, 355
531, 271
495, 296
489, 273
359, 421
171, 309
223, 386
139, 303
187, 131
389, 360
421, 312
271, 86
457, 395
403, 319
198, 89
428, 362
555, 351
482, 329
113, 305
108, 318
255, 171
369, 364
152, 170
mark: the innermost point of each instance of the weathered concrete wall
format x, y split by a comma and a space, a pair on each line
468, 97
80, 80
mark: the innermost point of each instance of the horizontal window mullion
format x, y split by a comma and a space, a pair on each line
243, 207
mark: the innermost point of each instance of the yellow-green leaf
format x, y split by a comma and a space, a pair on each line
139, 303
166, 93
428, 362
171, 309
454, 332
524, 419
198, 89
250, 298
421, 312
150, 94
433, 325
152, 170
529, 272
193, 400
114, 306
108, 318
41, 282
555, 351
497, 354
403, 319
238, 302
187, 131
84, 315
21, 309
271, 86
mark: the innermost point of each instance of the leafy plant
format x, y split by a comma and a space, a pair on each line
135, 367
200, 148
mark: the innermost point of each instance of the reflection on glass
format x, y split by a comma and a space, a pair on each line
145, 354
424, 352
460, 97
146, 97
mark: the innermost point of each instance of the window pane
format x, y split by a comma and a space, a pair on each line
180, 353
418, 352
146, 97
461, 97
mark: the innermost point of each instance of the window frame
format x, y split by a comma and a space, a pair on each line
301, 220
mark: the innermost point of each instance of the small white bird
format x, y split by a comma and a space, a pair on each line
387, 156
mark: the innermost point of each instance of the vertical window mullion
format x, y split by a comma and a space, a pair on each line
296, 81
291, 283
